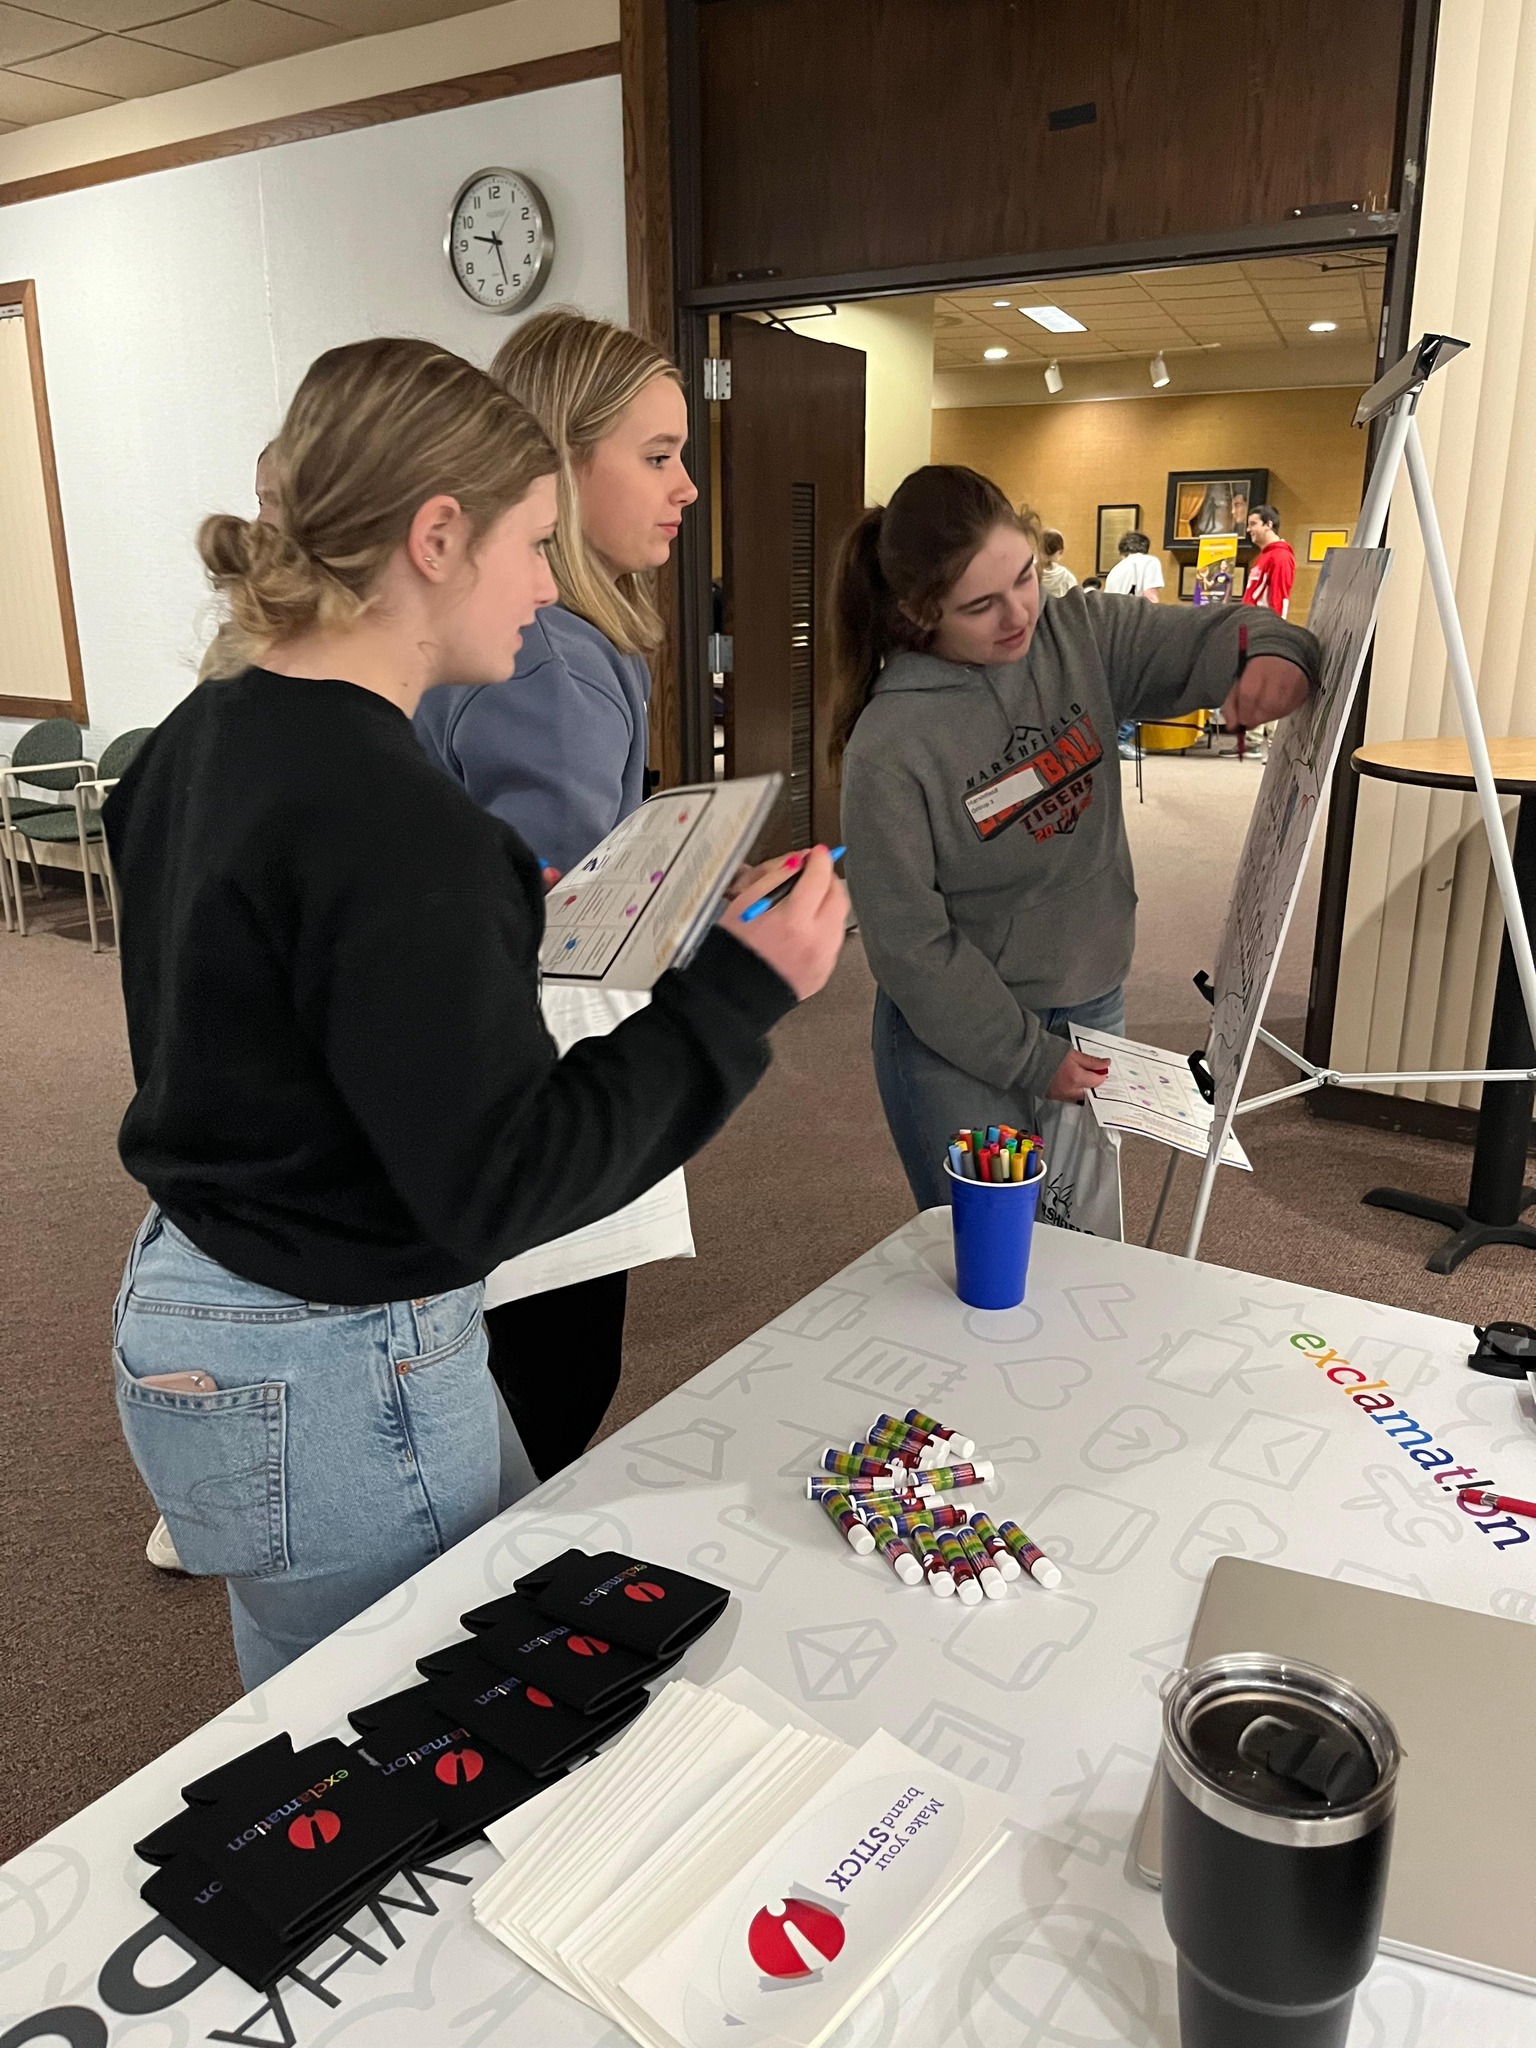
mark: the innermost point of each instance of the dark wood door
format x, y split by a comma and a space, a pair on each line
792, 484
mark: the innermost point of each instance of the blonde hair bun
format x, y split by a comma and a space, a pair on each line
375, 429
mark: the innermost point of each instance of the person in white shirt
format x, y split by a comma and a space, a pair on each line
1056, 579
1138, 573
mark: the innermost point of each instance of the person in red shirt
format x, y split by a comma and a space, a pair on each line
1273, 569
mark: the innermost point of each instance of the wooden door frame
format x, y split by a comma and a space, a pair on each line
24, 294
659, 63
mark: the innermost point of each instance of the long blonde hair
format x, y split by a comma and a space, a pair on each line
375, 429
576, 376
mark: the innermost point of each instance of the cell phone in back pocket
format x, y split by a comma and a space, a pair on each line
181, 1382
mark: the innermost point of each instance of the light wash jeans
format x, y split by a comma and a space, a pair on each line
926, 1100
343, 1449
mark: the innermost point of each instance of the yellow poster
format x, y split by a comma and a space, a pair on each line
1216, 547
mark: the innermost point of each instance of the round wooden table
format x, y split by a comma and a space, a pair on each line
1498, 1195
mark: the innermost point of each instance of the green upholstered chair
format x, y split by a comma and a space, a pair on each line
81, 822
49, 755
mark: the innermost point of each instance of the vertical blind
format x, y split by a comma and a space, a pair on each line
1423, 925
33, 662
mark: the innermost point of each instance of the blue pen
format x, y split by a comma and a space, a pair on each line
755, 910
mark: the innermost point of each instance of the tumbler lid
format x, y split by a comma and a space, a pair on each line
1279, 1750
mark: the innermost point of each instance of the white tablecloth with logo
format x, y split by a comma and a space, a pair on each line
1145, 1416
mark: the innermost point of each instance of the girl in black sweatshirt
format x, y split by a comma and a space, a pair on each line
347, 1108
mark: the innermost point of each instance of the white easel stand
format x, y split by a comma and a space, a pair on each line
1397, 396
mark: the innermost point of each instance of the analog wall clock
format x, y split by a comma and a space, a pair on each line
501, 240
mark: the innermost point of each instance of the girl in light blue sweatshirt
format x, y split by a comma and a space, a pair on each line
559, 752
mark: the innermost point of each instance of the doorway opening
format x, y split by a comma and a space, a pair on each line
1169, 401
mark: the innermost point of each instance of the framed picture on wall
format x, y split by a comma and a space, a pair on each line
1113, 521
1188, 571
1322, 538
1203, 502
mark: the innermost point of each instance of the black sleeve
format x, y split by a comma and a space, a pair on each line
430, 1027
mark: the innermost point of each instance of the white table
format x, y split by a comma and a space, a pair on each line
1145, 1416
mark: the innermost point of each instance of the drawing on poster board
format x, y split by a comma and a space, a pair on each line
1280, 832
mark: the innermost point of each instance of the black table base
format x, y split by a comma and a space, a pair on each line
1469, 1234
1498, 1196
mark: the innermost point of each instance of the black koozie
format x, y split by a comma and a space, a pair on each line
462, 1784
579, 1668
1273, 1935
522, 1721
648, 1608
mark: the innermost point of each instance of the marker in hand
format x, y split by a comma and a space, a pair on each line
755, 910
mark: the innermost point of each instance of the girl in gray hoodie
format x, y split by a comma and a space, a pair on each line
987, 856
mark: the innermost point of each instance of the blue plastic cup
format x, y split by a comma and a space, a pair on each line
994, 1222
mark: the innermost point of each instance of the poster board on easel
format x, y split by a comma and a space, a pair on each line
1302, 756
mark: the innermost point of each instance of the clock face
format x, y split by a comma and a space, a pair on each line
501, 240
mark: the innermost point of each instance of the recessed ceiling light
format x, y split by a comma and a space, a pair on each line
994, 355
1002, 302
1322, 326
1054, 318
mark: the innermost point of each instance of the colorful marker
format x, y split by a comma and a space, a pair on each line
988, 1576
996, 1546
962, 1446
893, 1452
960, 1569
847, 1466
1030, 1555
940, 1579
839, 1511
931, 1449
945, 1478
820, 1482
896, 1550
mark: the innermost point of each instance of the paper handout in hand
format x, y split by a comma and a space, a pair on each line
642, 901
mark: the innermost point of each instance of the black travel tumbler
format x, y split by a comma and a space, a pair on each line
1278, 1789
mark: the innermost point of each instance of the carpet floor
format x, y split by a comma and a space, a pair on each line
108, 1661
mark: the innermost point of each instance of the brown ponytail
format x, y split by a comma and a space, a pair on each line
895, 569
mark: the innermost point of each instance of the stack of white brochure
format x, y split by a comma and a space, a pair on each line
729, 1874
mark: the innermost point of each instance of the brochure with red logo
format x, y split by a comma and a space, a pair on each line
799, 1931
463, 1784
648, 1608
522, 1721
579, 1668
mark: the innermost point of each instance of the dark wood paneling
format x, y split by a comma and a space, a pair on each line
566, 68
874, 134
795, 416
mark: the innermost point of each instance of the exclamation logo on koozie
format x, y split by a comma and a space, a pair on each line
790, 1945
645, 1590
314, 1830
459, 1766
586, 1646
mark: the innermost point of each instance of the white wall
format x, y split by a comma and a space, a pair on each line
178, 312
896, 336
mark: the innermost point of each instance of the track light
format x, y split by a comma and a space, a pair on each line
1159, 371
1053, 378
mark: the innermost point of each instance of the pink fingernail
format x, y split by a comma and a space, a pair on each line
794, 861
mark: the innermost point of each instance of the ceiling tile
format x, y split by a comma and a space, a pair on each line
241, 32
376, 17
128, 70
23, 34
108, 17
29, 100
